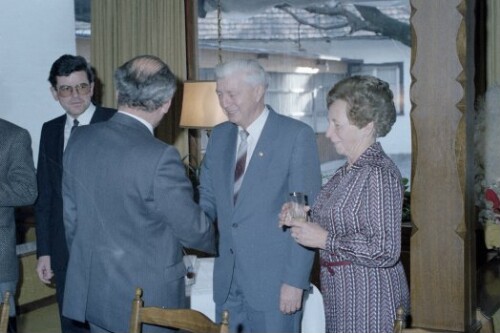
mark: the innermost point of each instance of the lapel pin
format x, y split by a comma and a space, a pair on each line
261, 154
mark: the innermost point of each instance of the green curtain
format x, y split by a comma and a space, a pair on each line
123, 29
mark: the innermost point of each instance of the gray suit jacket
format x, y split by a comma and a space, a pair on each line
17, 188
285, 160
128, 212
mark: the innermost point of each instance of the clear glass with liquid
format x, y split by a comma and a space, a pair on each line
298, 202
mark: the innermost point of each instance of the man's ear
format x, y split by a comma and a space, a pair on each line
54, 93
259, 92
165, 107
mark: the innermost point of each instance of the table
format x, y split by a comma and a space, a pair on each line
201, 290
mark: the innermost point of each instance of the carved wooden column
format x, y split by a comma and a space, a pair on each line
442, 94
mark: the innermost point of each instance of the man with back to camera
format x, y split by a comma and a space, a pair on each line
260, 274
72, 85
128, 207
17, 188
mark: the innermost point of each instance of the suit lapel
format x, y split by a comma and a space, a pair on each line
59, 139
230, 163
98, 116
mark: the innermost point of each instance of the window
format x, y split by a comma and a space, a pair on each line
305, 59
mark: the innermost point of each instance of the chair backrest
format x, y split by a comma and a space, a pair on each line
184, 319
486, 323
4, 313
400, 323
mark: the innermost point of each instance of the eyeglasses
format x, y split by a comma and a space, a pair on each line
81, 89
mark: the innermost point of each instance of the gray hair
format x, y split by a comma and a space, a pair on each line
368, 99
255, 73
144, 82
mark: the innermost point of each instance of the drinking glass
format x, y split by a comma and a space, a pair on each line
298, 202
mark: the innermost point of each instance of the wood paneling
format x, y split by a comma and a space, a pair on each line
442, 265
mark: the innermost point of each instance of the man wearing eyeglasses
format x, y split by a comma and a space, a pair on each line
72, 85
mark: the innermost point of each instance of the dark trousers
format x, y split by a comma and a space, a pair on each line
67, 325
12, 325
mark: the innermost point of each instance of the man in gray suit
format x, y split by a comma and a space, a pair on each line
17, 188
128, 206
260, 273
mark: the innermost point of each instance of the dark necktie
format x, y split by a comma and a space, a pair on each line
75, 125
241, 159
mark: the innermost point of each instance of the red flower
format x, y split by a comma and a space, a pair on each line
492, 197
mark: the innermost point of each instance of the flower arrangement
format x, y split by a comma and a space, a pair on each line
487, 158
491, 210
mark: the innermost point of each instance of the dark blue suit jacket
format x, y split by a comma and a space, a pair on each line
51, 239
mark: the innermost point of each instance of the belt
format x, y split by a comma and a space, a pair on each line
330, 264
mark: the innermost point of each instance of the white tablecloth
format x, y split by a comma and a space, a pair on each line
313, 320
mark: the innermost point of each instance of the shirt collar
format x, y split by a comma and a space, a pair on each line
84, 118
256, 127
144, 122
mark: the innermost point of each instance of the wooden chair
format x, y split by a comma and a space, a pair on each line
485, 321
4, 313
399, 324
184, 319
486, 324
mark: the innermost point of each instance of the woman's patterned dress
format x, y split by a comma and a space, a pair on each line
362, 279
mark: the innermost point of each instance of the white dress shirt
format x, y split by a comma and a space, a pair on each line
83, 119
254, 131
144, 122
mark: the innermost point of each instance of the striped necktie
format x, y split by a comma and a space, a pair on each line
241, 160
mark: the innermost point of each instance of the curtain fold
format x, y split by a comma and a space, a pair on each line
123, 29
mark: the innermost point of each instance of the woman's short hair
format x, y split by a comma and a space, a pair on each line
144, 82
255, 73
368, 99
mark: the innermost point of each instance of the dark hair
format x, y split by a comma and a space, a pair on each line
67, 64
144, 82
368, 99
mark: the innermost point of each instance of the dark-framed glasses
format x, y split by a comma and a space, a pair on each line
81, 89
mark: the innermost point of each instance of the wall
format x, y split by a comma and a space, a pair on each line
33, 34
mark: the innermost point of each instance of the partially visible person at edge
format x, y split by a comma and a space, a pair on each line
72, 86
17, 188
260, 273
128, 207
356, 219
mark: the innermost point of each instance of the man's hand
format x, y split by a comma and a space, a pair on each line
44, 270
290, 299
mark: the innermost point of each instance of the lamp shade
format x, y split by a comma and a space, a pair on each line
200, 105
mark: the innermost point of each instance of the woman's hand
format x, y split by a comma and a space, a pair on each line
285, 215
309, 234
305, 233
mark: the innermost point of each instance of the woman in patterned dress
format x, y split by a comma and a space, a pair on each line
356, 218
